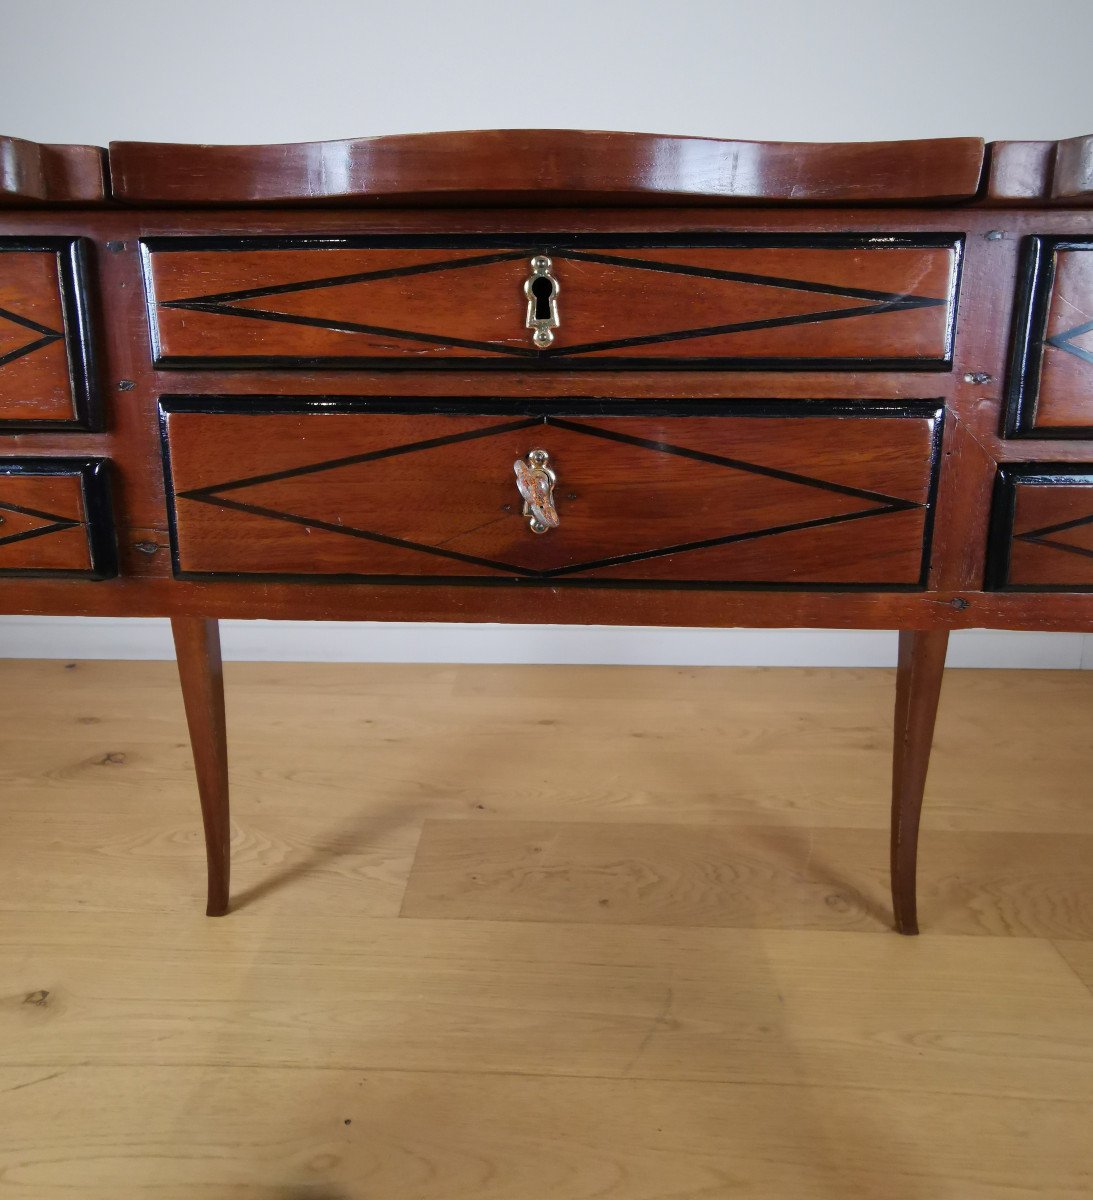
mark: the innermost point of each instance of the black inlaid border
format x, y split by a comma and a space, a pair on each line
567, 358
1035, 284
73, 271
533, 410
1004, 511
94, 475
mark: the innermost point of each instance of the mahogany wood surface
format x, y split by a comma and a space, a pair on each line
262, 421
43, 520
1019, 172
1051, 386
919, 672
44, 340
800, 499
545, 166
1072, 181
1043, 537
1050, 173
973, 438
32, 173
201, 673
851, 301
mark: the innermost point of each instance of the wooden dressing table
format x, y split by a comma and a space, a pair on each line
551, 376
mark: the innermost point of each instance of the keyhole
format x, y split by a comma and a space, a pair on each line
542, 289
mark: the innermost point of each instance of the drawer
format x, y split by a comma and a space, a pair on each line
55, 518
785, 494
1050, 390
660, 300
45, 344
1042, 528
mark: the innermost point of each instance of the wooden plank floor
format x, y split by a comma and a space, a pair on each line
520, 933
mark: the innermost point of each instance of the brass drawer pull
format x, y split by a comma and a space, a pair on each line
541, 289
536, 482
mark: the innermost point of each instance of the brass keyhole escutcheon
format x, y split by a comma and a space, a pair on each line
541, 290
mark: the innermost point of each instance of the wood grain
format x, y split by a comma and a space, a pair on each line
201, 673
974, 441
1065, 396
34, 173
920, 670
341, 1135
550, 1000
35, 380
43, 521
852, 300
825, 879
576, 1053
1051, 536
545, 166
784, 499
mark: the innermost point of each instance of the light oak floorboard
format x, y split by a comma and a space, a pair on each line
542, 932
306, 1134
1038, 885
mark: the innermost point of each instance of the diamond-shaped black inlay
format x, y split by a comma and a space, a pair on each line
874, 302
220, 495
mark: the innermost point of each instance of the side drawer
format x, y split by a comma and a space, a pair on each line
654, 300
55, 518
1050, 389
1042, 528
46, 375
782, 494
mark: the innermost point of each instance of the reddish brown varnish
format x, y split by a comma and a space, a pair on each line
36, 381
32, 173
547, 166
1066, 351
684, 445
1051, 542
790, 500
43, 524
849, 303
1059, 173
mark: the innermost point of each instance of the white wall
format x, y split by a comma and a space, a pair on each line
279, 70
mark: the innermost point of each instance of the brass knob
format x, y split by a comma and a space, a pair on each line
536, 482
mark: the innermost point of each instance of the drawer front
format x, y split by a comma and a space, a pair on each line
844, 302
55, 518
45, 344
1050, 390
787, 495
1042, 532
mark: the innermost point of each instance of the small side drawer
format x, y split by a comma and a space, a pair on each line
46, 375
55, 518
1042, 528
1050, 389
784, 302
723, 494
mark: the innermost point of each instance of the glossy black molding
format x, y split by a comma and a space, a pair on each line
515, 246
1035, 281
1003, 509
74, 276
564, 413
94, 475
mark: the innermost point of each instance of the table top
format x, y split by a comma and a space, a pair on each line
549, 167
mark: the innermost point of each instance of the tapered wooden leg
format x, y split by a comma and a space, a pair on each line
197, 649
918, 688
